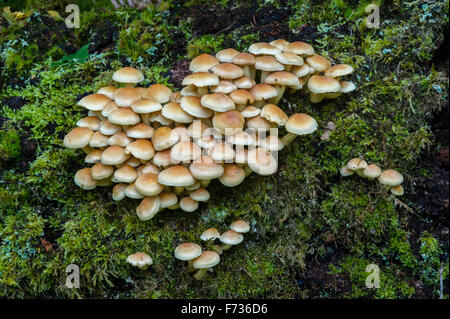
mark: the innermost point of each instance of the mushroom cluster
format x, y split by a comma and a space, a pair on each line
165, 147
204, 260
389, 178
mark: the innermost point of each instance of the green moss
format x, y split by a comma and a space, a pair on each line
204, 44
9, 145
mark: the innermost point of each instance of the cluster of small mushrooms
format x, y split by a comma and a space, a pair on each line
389, 178
165, 147
205, 260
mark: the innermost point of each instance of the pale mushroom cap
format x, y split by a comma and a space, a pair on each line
241, 155
140, 130
193, 106
196, 129
114, 155
339, 70
111, 106
108, 91
226, 55
371, 171
233, 175
207, 259
279, 43
261, 161
158, 117
185, 151
118, 192
187, 251
318, 62
188, 204
167, 199
347, 87
120, 139
84, 179
397, 190
162, 158
173, 111
93, 157
391, 178
126, 96
145, 106
240, 226
250, 111
268, 63
210, 233
125, 174
218, 102
90, 122
158, 93
164, 138
282, 78
323, 84
263, 91
108, 128
224, 87
274, 114
78, 137
203, 63
148, 168
99, 140
263, 48
206, 168
344, 171
301, 124
140, 259
141, 149
182, 133
148, 208
356, 164
229, 122
300, 48
231, 237
300, 70
188, 90
222, 152
147, 184
201, 79
101, 171
200, 195
132, 192
242, 97
124, 116
240, 138
244, 58
176, 176
94, 102
271, 143
128, 75
227, 71
289, 58
244, 82
258, 123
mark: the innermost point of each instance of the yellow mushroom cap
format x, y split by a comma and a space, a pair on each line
231, 237
356, 164
261, 161
187, 251
158, 93
84, 179
318, 62
193, 106
218, 102
124, 116
200, 195
188, 204
126, 96
206, 168
185, 151
108, 91
173, 111
128, 75
207, 259
176, 176
146, 106
94, 102
148, 208
147, 184
140, 130
263, 48
226, 55
391, 178
301, 124
201, 79
263, 91
268, 63
339, 70
323, 84
141, 149
101, 171
227, 71
274, 114
300, 48
397, 190
114, 155
125, 174
78, 137
233, 175
164, 138
229, 122
203, 63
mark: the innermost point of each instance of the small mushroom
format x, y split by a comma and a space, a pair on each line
188, 252
230, 238
210, 234
206, 261
240, 226
140, 260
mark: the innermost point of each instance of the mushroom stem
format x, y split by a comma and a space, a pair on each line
247, 170
143, 267
200, 273
288, 138
264, 74
252, 72
259, 104
178, 190
202, 90
190, 266
205, 182
277, 98
225, 246
87, 149
247, 71
240, 107
218, 249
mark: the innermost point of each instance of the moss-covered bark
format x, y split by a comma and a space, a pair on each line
313, 233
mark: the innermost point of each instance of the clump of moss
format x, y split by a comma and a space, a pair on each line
9, 145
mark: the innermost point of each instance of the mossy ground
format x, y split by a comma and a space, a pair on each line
313, 232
